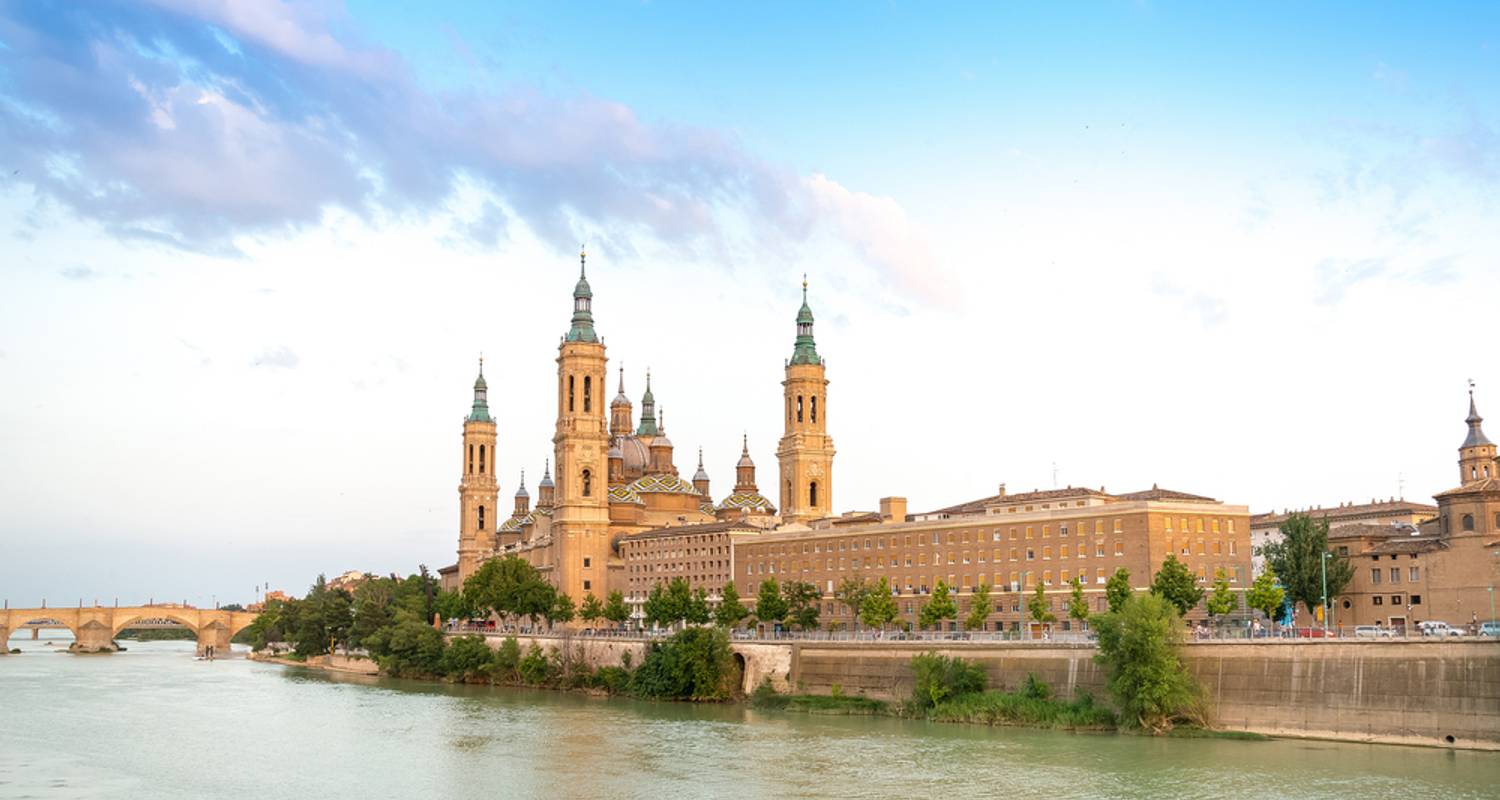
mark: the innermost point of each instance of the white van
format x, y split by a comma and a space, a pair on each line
1435, 628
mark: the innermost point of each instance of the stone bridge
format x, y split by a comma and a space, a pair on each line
94, 628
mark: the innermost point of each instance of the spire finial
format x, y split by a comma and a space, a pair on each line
523, 478
583, 256
700, 456
745, 443
661, 420
622, 377
481, 369
804, 287
547, 468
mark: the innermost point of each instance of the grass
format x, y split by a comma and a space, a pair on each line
1015, 708
1193, 732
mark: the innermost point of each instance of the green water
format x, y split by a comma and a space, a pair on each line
154, 723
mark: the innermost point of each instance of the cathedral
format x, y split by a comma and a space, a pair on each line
613, 476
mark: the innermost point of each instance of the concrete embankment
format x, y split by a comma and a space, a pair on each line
327, 663
1423, 692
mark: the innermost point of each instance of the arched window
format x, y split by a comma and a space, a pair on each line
812, 494
588, 393
1468, 522
471, 459
570, 393
481, 459
588, 483
481, 517
799, 408
815, 409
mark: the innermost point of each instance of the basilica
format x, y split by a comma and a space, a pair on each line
616, 476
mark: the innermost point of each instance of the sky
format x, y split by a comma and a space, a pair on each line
251, 252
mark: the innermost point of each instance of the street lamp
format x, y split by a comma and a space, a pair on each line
1326, 608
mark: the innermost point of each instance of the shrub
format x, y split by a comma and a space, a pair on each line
1035, 688
467, 657
615, 680
535, 668
412, 648
765, 696
508, 659
940, 677
695, 664
1138, 646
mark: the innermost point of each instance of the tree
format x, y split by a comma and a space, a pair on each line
941, 607
1038, 607
1266, 596
697, 612
679, 600
1078, 606
801, 604
1175, 584
1298, 560
562, 609
591, 610
730, 611
449, 604
615, 610
879, 607
769, 607
507, 587
1139, 648
1117, 589
852, 593
980, 608
655, 608
1223, 601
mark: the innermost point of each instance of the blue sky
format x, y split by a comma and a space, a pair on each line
249, 252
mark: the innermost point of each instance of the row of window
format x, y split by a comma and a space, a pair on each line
1413, 574
481, 459
1379, 600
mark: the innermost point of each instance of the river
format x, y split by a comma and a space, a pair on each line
154, 723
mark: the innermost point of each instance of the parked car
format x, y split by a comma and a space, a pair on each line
1489, 629
1378, 631
1434, 627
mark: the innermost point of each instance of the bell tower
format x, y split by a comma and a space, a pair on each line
1476, 456
580, 524
478, 491
806, 450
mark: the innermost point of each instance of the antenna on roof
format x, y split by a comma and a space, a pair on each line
1401, 485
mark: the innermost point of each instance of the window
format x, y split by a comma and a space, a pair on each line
481, 459
1030, 554
1029, 531
588, 483
812, 494
799, 408
1416, 599
1343, 550
1375, 576
1412, 575
1395, 599
815, 409
1062, 552
1047, 577
1099, 576
1395, 574
1379, 600
1046, 553
1118, 526
570, 393
1119, 548
1468, 522
481, 517
587, 585
471, 459
1046, 531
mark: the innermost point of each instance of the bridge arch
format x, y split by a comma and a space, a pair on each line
179, 616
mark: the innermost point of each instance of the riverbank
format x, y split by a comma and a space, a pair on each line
346, 665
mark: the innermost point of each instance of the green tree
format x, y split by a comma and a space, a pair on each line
411, 648
1078, 605
941, 607
1038, 607
1298, 560
936, 678
1117, 589
730, 611
450, 605
615, 610
879, 607
508, 660
679, 600
851, 592
562, 609
467, 657
697, 612
1175, 584
1266, 596
980, 608
769, 605
694, 664
801, 604
507, 587
1223, 601
655, 608
1139, 648
591, 611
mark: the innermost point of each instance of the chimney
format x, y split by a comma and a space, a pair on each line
1002, 490
893, 509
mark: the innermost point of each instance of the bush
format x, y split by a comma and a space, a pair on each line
615, 680
467, 657
535, 668
1017, 708
940, 677
767, 697
412, 649
1138, 646
695, 664
508, 659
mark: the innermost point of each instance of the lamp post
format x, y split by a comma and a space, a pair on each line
1326, 608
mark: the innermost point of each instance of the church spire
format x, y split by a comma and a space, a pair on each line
1476, 436
805, 351
583, 304
648, 411
481, 410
